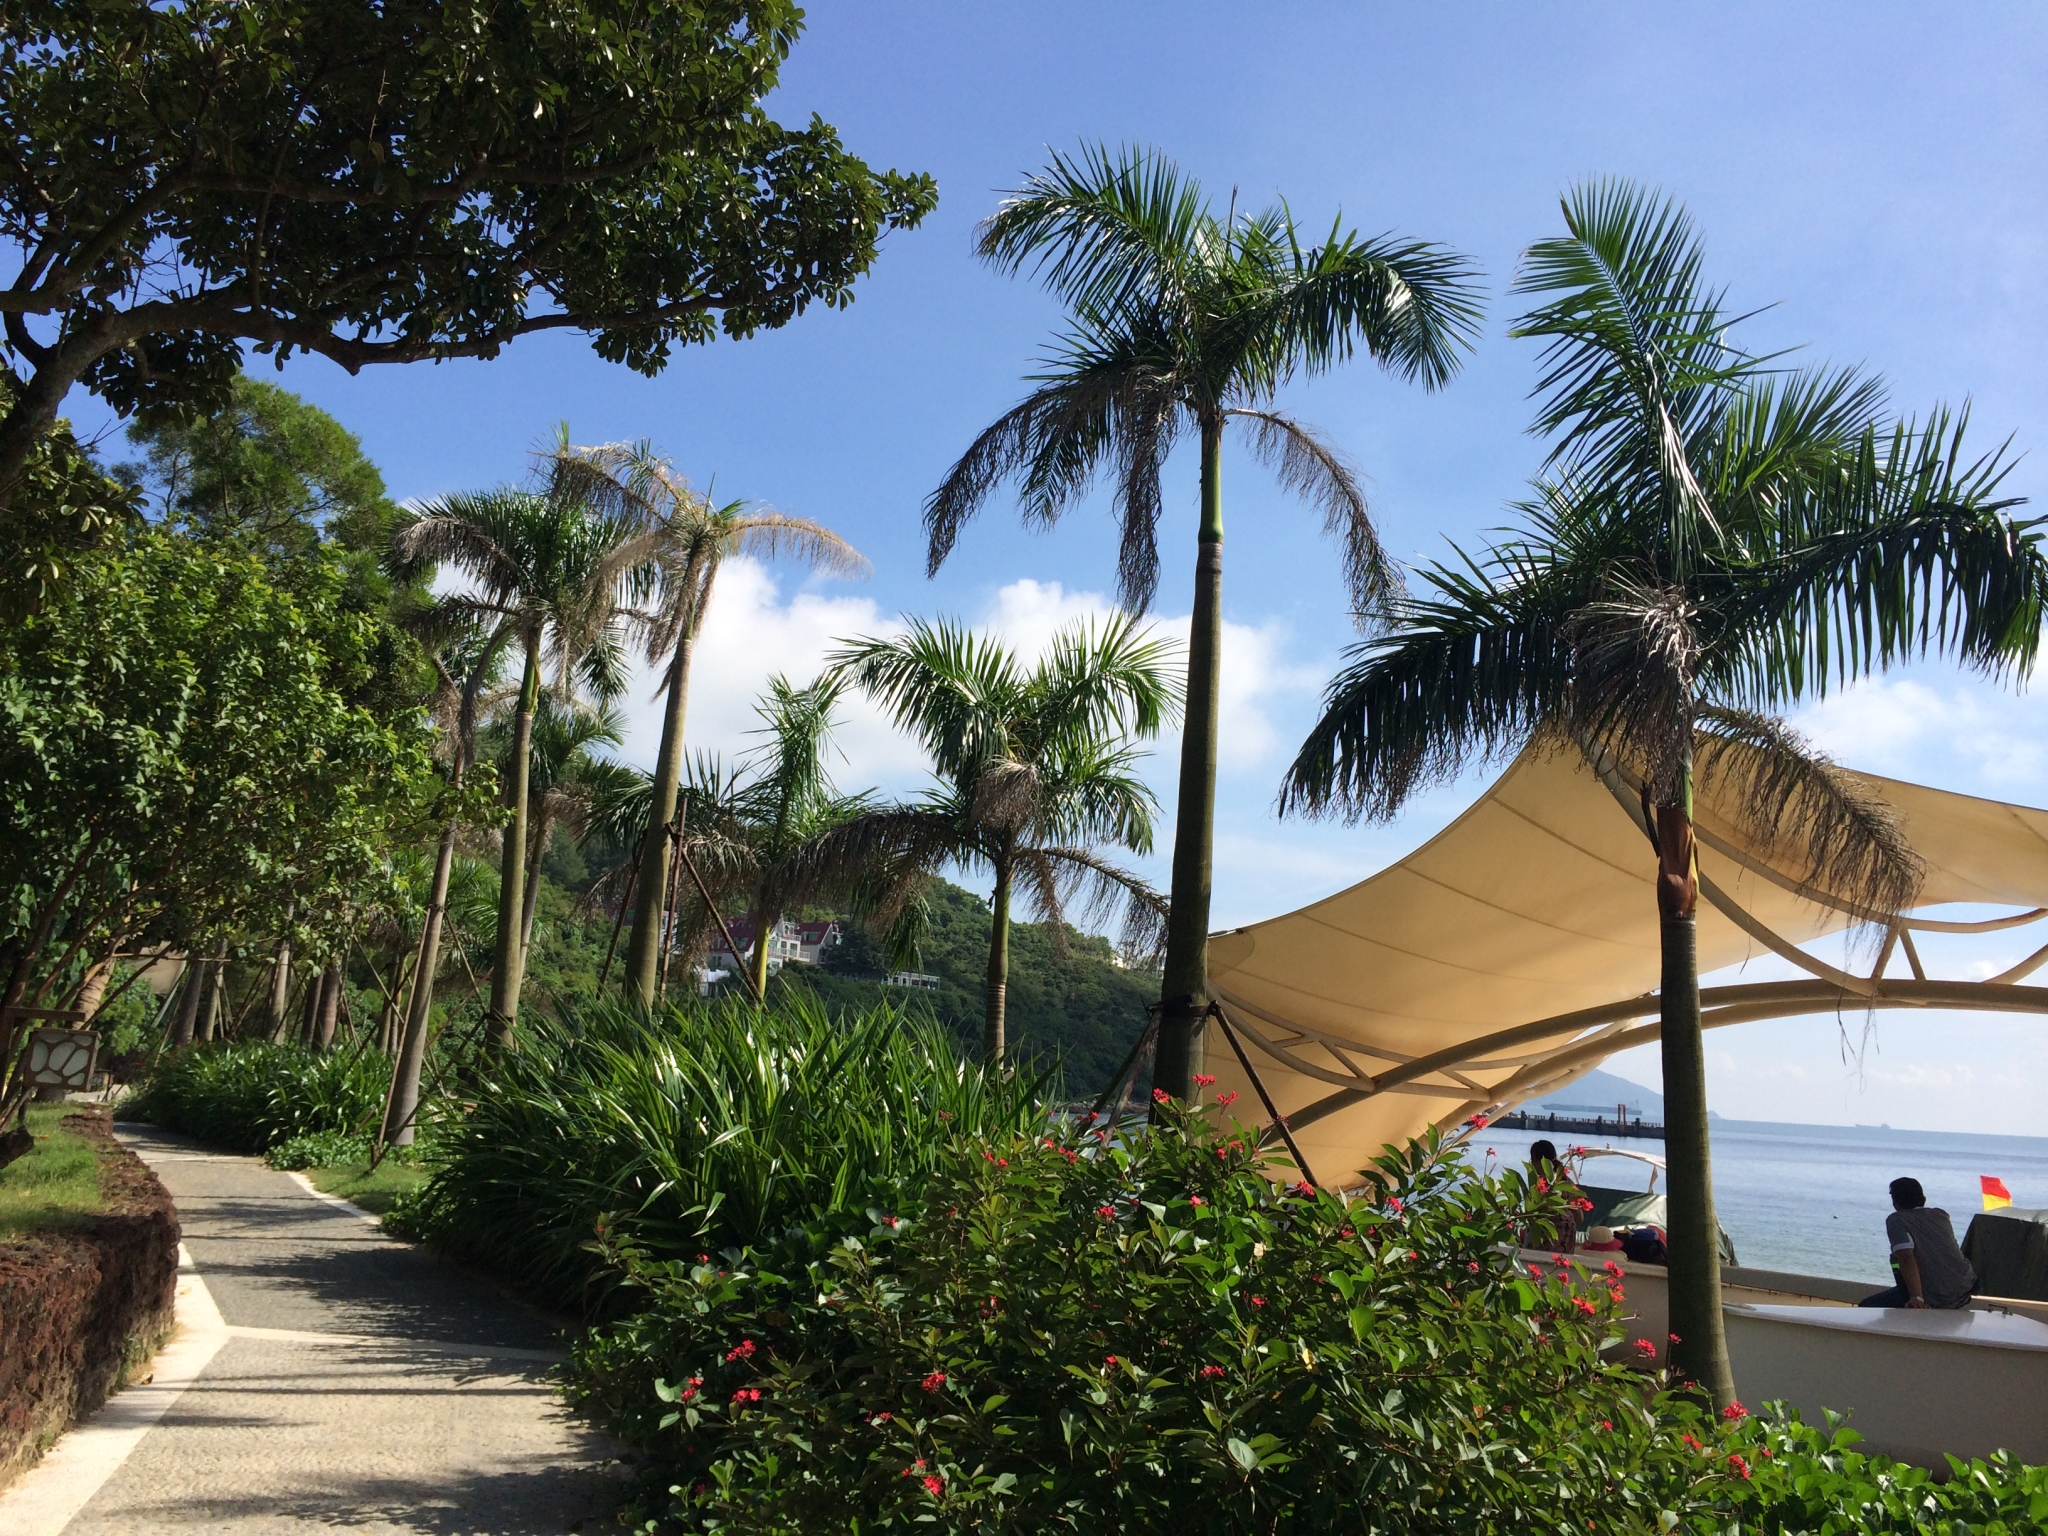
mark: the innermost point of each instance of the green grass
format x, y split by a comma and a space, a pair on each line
374, 1192
55, 1184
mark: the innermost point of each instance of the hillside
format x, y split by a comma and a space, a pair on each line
1080, 1008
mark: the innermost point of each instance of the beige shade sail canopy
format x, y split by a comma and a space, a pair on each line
1518, 948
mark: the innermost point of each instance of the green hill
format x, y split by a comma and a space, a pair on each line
1081, 1007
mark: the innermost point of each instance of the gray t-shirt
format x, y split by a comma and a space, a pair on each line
1946, 1278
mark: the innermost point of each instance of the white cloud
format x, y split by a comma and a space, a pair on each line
1946, 729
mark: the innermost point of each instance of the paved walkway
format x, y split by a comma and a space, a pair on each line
324, 1376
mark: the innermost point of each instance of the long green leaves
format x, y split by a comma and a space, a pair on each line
698, 1128
247, 1096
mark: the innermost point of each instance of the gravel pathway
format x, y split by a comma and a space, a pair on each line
326, 1377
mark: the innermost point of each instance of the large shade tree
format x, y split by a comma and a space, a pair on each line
554, 578
1184, 324
693, 536
1037, 770
390, 183
1715, 538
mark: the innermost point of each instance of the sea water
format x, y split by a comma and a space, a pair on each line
1812, 1199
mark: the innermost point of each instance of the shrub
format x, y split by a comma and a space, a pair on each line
1803, 1478
328, 1149
246, 1096
1151, 1337
702, 1127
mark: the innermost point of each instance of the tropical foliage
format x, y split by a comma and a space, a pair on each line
184, 745
390, 185
1036, 767
1717, 538
1182, 324
1149, 1334
698, 1128
249, 1096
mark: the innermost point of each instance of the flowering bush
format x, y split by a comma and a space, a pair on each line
1216, 1353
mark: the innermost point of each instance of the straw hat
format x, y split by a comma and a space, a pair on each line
1601, 1238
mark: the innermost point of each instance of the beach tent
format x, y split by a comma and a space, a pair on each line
1518, 948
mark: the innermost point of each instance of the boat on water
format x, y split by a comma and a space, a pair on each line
1627, 1210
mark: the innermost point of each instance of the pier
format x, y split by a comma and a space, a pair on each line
1570, 1124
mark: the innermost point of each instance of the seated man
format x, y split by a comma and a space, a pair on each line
1931, 1268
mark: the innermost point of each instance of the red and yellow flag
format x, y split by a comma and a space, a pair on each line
1996, 1195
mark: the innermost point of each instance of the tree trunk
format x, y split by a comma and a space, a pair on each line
1184, 987
996, 1009
508, 965
194, 980
405, 1083
543, 829
281, 991
643, 949
330, 1006
94, 987
1699, 1350
215, 977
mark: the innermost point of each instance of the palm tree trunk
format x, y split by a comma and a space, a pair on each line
412, 1050
543, 829
1699, 1350
214, 980
643, 949
996, 1009
1184, 987
508, 966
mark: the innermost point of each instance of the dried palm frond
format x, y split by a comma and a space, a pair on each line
1794, 800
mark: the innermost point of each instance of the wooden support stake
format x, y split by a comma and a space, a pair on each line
1130, 1062
746, 973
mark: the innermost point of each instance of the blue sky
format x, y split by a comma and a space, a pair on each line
1875, 171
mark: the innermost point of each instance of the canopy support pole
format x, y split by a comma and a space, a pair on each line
1265, 1098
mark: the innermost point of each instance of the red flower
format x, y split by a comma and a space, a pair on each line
744, 1350
1258, 1301
933, 1382
913, 1469
1473, 1265
747, 1395
1106, 1212
880, 1418
1226, 1099
1413, 1255
1543, 1185
1734, 1411
1615, 1292
1196, 1200
1203, 1080
1740, 1466
1345, 1232
1160, 1096
1605, 1425
1210, 1372
1672, 1337
934, 1485
1645, 1347
1305, 1189
1612, 1268
1477, 1122
1394, 1205
690, 1387
1584, 1305
1111, 1361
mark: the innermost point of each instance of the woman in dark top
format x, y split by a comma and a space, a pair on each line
1555, 1235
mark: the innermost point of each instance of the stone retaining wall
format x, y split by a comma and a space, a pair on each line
83, 1310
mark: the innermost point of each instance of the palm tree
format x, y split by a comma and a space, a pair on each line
1185, 323
693, 538
1714, 539
465, 663
562, 574
564, 777
1036, 768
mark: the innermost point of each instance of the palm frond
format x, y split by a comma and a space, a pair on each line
1794, 798
1306, 465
